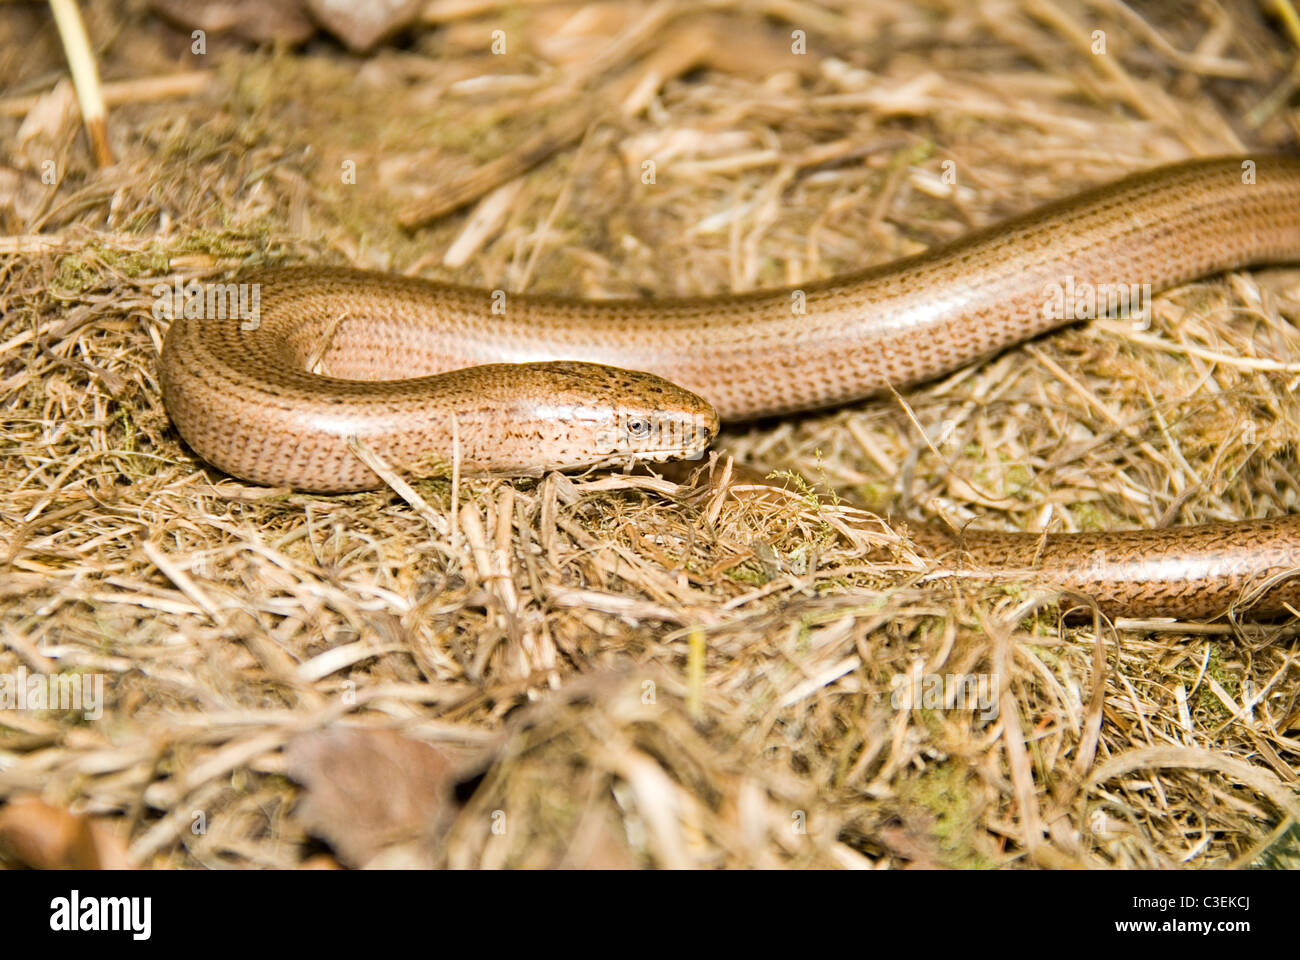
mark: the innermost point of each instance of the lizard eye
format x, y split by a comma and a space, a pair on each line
638, 428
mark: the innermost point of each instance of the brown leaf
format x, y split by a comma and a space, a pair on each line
51, 838
256, 20
362, 25
367, 790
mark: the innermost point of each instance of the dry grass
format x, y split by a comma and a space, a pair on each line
631, 673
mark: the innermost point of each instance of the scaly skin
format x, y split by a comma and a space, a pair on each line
1190, 572
243, 400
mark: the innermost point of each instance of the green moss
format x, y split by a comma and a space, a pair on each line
1016, 480
1282, 854
233, 243
150, 262
1048, 655
84, 270
1210, 710
129, 431
1089, 518
943, 789
75, 273
831, 585
750, 572
872, 493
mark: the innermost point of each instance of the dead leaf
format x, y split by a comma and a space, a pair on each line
256, 20
45, 837
368, 790
362, 25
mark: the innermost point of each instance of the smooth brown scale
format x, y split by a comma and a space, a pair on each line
246, 403
1195, 571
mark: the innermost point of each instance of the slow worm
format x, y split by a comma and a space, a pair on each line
425, 373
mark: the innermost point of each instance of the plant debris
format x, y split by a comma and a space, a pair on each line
657, 675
